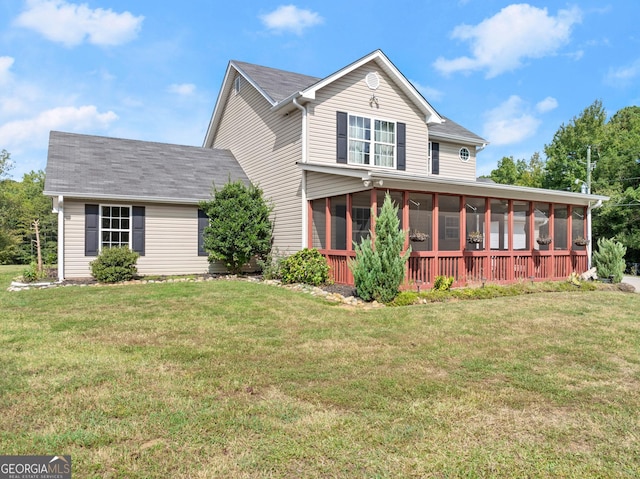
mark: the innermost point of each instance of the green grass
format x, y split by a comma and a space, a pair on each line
236, 379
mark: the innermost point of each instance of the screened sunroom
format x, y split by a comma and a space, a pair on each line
493, 233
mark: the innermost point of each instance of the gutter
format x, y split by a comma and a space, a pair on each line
305, 159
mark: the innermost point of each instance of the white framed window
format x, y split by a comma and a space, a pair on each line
464, 154
237, 84
429, 158
115, 226
365, 144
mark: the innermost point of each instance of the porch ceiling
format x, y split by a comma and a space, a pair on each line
404, 181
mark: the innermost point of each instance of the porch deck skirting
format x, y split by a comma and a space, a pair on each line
468, 268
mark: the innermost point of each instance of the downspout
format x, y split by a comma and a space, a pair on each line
58, 207
305, 210
589, 236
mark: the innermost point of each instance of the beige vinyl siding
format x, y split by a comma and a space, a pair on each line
452, 167
351, 94
267, 146
321, 185
171, 241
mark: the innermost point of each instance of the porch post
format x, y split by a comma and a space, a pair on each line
309, 225
435, 220
349, 222
327, 222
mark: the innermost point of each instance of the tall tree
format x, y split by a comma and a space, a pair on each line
5, 163
506, 172
21, 203
567, 152
520, 172
7, 240
617, 175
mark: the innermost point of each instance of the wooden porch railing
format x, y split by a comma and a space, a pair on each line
474, 267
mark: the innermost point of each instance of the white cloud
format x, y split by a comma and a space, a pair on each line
5, 65
510, 122
291, 18
546, 105
517, 32
430, 94
183, 89
33, 130
70, 23
624, 75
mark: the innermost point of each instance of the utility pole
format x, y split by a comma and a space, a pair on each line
589, 238
588, 169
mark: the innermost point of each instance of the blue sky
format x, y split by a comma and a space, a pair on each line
151, 70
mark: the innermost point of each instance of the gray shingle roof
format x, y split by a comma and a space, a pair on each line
451, 129
101, 167
278, 84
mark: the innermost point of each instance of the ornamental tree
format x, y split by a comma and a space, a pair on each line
378, 269
239, 226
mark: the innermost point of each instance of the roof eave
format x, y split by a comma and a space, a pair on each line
458, 138
127, 198
496, 190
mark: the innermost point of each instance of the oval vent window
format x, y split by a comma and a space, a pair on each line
373, 82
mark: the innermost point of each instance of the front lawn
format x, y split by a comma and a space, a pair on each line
238, 379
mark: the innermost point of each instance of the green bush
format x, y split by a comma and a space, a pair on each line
114, 264
271, 265
609, 259
442, 283
30, 273
239, 225
405, 298
378, 268
307, 266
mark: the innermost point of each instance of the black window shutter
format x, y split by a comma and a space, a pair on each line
435, 158
401, 153
342, 140
203, 222
138, 229
91, 230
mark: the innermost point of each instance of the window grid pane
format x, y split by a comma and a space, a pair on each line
360, 141
115, 225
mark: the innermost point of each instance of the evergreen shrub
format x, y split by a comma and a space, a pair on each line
378, 268
239, 226
609, 259
114, 264
307, 266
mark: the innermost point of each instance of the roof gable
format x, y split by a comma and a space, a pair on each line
275, 85
85, 166
280, 88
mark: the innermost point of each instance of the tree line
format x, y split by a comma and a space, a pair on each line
22, 204
614, 146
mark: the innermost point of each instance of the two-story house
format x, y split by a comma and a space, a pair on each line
325, 151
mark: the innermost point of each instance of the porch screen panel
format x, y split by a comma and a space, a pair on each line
339, 222
420, 221
319, 224
521, 240
577, 226
499, 224
360, 216
448, 223
541, 224
396, 197
560, 232
475, 223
